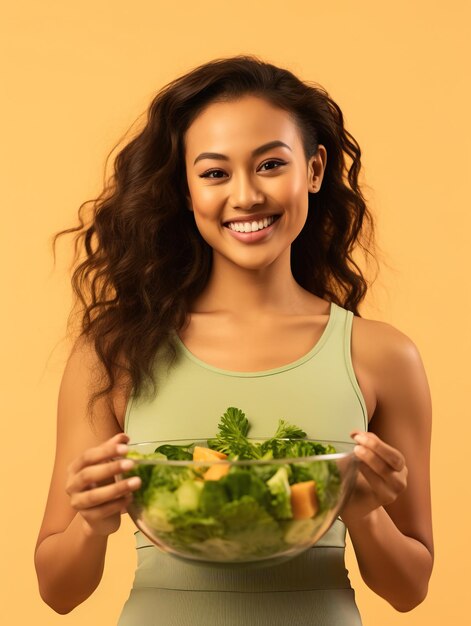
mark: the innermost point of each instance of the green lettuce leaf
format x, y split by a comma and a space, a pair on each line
249, 524
193, 527
280, 491
176, 453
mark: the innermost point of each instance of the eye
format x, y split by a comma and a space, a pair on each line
272, 161
207, 174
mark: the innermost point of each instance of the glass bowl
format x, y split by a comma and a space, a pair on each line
243, 512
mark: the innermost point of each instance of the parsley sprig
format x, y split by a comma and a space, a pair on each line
232, 438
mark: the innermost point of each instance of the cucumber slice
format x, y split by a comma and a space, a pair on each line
299, 531
218, 548
157, 520
188, 495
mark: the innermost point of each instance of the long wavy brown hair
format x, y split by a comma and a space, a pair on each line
145, 260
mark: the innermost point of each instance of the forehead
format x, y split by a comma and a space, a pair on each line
249, 122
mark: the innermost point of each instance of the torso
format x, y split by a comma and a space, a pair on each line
270, 343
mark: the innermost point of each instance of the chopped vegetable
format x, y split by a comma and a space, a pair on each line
175, 453
299, 531
280, 491
216, 472
232, 437
304, 500
206, 454
233, 512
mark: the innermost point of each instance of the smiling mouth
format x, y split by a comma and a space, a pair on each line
252, 225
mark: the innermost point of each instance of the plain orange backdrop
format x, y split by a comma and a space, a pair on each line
76, 75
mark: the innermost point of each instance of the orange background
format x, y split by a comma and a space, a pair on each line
78, 74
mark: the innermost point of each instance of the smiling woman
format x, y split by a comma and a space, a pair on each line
219, 269
245, 190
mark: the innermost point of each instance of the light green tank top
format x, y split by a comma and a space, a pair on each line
318, 392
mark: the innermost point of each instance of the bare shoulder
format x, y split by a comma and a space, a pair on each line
383, 345
390, 360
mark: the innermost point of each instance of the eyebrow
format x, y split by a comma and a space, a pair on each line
266, 146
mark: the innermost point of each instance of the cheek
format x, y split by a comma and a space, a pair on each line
293, 195
206, 220
206, 203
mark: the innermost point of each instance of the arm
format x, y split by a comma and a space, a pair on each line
84, 504
389, 515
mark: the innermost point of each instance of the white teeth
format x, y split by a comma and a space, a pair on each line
247, 227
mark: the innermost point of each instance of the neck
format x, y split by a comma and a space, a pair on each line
249, 294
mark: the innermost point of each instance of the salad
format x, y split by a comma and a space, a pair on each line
232, 512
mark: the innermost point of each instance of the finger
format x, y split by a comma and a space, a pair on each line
86, 500
380, 488
102, 495
388, 489
127, 501
106, 510
374, 462
390, 455
89, 477
116, 446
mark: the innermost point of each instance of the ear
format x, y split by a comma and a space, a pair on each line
316, 169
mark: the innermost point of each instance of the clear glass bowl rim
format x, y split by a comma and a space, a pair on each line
245, 462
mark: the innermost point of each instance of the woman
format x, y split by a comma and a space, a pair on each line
220, 267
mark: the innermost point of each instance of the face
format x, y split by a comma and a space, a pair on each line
235, 177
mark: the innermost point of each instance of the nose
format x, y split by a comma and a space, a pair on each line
245, 192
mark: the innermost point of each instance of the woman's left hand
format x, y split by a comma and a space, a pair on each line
382, 476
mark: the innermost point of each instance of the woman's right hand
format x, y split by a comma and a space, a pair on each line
92, 488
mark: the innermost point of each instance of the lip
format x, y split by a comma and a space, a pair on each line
258, 235
251, 218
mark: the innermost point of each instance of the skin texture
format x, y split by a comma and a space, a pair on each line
250, 298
